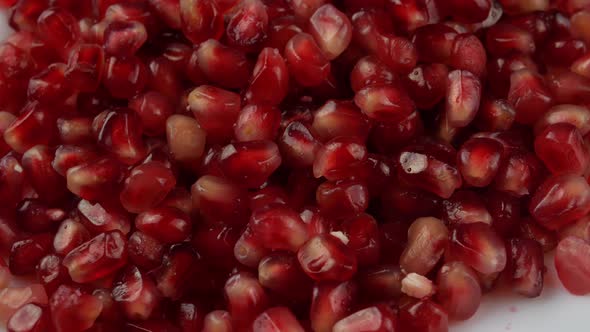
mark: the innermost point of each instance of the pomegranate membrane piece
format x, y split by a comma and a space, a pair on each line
289, 165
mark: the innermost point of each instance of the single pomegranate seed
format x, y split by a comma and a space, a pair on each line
165, 78
70, 235
479, 160
278, 228
29, 318
11, 299
97, 258
519, 174
153, 110
147, 186
247, 27
569, 87
75, 130
104, 217
573, 267
458, 290
165, 224
48, 184
124, 38
136, 293
417, 286
478, 246
168, 11
468, 54
469, 11
257, 122
220, 199
201, 20
426, 84
560, 200
343, 198
581, 229
225, 66
51, 273
525, 266
186, 139
529, 96
37, 217
306, 62
427, 239
331, 29
180, 265
563, 51
246, 298
465, 207
384, 103
250, 163
26, 253
338, 157
561, 147
495, 115
50, 85
145, 251
216, 110
190, 316
337, 118
382, 282
422, 316
270, 72
575, 115
34, 126
376, 318
282, 274
463, 98
331, 302
124, 77
421, 168
298, 145
505, 210
500, 70
326, 257
58, 29
304, 9
276, 319
370, 71
73, 309
529, 229
397, 52
217, 321
362, 232
502, 39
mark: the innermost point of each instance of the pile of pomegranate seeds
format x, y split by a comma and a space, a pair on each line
289, 165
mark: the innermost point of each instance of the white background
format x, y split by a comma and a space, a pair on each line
554, 311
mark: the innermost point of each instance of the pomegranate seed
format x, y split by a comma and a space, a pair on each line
304, 9
73, 309
458, 290
167, 225
338, 157
216, 110
164, 78
525, 266
422, 316
384, 103
246, 298
343, 198
495, 115
468, 54
26, 253
573, 267
136, 293
529, 96
519, 174
225, 66
250, 163
257, 122
97, 258
578, 25
326, 257
104, 217
563, 51
282, 274
331, 29
50, 85
34, 126
580, 228
505, 211
51, 273
410, 15
331, 302
397, 52
562, 142
168, 11
201, 20
278, 228
465, 207
478, 246
124, 77
532, 230
522, 6
189, 316
75, 130
248, 26
560, 200
11, 299
575, 115
48, 184
217, 321
70, 235
427, 239
417, 286
180, 266
124, 38
382, 282
463, 98
29, 318
502, 39
363, 234
219, 199
375, 318
370, 71
306, 62
276, 319
186, 139
568, 87
270, 72
144, 250
479, 160
298, 145
58, 29
426, 84
469, 11
147, 186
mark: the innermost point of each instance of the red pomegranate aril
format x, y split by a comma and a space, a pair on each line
505, 210
561, 147
201, 20
34, 126
479, 160
216, 110
384, 103
560, 200
495, 115
331, 302
343, 198
569, 87
168, 11
331, 29
396, 52
35, 216
277, 319
257, 122
69, 235
50, 85
269, 82
434, 43
189, 315
220, 199
427, 240
423, 316
147, 186
573, 266
247, 27
298, 145
166, 79
136, 293
580, 229
104, 216
145, 251
381, 282
576, 115
525, 267
72, 309
529, 229
29, 318
12, 298
58, 29
304, 9
458, 290
245, 297
529, 96
51, 273
465, 207
563, 51
503, 39
306, 62
49, 185
463, 98
391, 137
281, 273
278, 228
338, 157
378, 318
120, 133
97, 258
478, 246
26, 253
216, 243
124, 38
250, 163
217, 321
153, 110
337, 118
579, 24
370, 71
519, 174
186, 139
227, 67
417, 286
75, 130
327, 258
165, 224
12, 179
362, 232
124, 77
426, 84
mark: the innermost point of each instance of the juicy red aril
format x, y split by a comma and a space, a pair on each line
270, 72
282, 274
479, 160
422, 316
331, 29
34, 216
147, 186
12, 298
50, 85
166, 224
529, 96
327, 257
342, 198
247, 28
223, 65
331, 302
561, 147
257, 122
465, 207
278, 228
124, 77
478, 246
32, 127
58, 28
219, 199
49, 185
337, 157
384, 103
525, 267
71, 308
124, 38
201, 20
375, 318
246, 298
572, 264
275, 320
103, 216
306, 62
458, 290
26, 253
250, 163
216, 110
136, 293
463, 98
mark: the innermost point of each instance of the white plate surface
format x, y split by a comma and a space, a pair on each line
554, 311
